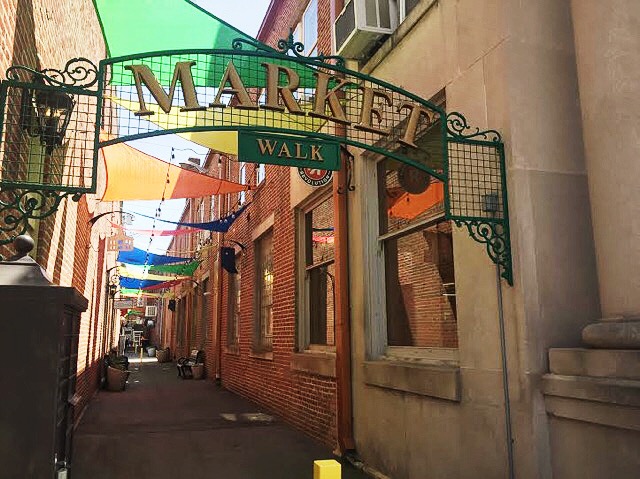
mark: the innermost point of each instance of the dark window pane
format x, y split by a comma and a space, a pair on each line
319, 233
420, 292
321, 304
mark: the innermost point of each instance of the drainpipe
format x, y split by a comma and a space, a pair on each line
222, 207
343, 323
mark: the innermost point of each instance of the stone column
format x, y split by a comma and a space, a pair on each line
607, 41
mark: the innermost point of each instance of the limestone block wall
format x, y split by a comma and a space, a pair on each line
510, 66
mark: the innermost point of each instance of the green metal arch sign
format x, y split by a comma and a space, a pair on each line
291, 107
262, 90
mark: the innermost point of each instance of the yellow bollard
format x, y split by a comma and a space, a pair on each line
327, 469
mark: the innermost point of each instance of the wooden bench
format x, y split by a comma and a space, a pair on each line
184, 364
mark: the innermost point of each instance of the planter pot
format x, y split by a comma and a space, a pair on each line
162, 355
116, 379
197, 371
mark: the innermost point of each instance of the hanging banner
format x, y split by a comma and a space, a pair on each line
256, 147
141, 257
219, 226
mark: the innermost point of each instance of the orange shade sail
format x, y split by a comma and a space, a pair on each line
134, 175
409, 206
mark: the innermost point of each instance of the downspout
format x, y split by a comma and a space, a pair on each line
222, 207
343, 323
341, 187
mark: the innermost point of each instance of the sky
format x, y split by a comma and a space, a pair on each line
246, 15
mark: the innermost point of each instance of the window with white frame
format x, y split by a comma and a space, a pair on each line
307, 30
405, 7
417, 248
204, 309
261, 173
263, 330
200, 214
242, 177
318, 295
233, 305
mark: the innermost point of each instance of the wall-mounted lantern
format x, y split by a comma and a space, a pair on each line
59, 109
46, 114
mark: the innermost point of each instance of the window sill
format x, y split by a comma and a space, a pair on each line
232, 349
436, 381
264, 355
318, 363
426, 356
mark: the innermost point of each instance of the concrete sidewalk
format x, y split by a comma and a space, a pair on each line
163, 427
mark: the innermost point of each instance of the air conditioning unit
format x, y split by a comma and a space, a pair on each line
361, 24
150, 311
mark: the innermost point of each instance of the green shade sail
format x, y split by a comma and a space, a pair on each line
131, 27
179, 269
136, 26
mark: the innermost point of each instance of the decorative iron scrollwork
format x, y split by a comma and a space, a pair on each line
348, 168
286, 45
78, 72
495, 235
237, 44
17, 207
458, 128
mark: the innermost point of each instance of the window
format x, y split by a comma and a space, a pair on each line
319, 276
204, 309
418, 258
233, 305
181, 318
200, 214
194, 317
264, 296
405, 7
261, 173
307, 30
242, 179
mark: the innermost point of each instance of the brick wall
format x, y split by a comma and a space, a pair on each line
46, 34
305, 400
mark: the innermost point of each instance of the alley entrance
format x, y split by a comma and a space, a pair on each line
164, 427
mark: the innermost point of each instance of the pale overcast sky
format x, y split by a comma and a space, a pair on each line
246, 15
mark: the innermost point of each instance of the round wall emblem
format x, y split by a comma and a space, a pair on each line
314, 176
413, 180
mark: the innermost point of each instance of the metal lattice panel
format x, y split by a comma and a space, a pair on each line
476, 194
48, 128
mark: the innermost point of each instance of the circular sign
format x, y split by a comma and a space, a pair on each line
413, 180
315, 177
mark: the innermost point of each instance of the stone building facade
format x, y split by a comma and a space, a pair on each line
435, 387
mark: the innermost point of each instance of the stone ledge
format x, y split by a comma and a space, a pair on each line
622, 392
321, 364
435, 381
613, 363
608, 402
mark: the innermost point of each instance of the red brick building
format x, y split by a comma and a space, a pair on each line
46, 34
270, 331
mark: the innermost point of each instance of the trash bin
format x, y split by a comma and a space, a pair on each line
198, 371
116, 379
